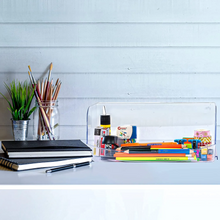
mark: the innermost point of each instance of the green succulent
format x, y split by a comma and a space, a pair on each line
21, 97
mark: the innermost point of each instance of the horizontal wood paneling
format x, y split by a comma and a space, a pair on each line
117, 11
111, 59
73, 111
108, 35
131, 85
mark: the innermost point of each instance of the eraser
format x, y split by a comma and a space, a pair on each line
127, 132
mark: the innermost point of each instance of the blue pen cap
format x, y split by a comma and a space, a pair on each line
180, 141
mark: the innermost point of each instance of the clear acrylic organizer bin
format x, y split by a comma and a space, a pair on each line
156, 122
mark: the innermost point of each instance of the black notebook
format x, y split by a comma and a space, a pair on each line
35, 149
19, 164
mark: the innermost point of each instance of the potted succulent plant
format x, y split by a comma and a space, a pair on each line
21, 95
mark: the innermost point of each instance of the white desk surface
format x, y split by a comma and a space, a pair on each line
105, 172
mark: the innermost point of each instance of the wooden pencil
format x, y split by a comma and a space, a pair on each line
54, 98
42, 87
48, 81
44, 91
34, 82
50, 104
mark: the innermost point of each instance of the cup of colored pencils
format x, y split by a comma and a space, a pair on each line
46, 116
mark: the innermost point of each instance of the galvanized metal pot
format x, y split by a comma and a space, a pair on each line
20, 129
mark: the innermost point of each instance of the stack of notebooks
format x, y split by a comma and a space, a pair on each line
25, 155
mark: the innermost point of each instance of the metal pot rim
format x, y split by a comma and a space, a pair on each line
20, 120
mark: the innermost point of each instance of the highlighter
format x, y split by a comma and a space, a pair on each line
105, 124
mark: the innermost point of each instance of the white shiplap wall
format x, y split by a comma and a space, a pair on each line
143, 50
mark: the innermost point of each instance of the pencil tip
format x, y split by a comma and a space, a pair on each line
51, 66
29, 67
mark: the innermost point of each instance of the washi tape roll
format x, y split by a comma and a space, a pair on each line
204, 144
204, 141
201, 133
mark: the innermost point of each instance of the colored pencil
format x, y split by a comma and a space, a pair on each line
160, 151
148, 144
48, 81
151, 147
156, 158
149, 155
44, 90
34, 82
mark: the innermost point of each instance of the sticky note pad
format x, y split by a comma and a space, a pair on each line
204, 151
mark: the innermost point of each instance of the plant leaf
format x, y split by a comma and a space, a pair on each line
10, 110
8, 89
29, 100
20, 113
31, 111
7, 101
16, 115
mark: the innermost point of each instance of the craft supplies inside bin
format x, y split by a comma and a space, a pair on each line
143, 132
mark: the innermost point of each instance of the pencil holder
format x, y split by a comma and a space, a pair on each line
46, 129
